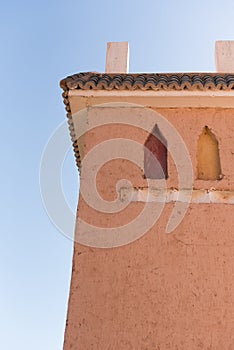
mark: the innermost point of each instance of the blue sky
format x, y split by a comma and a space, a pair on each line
41, 43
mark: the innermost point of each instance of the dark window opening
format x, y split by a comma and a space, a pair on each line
155, 155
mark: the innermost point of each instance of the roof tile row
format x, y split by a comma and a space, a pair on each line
179, 81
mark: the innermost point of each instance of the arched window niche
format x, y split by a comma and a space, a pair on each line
155, 155
208, 160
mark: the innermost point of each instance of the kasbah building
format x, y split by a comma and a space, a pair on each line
153, 264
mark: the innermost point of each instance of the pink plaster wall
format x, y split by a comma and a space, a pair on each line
161, 292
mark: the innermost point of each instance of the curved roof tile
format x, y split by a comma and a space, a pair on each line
162, 81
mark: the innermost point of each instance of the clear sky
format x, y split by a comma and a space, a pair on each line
41, 43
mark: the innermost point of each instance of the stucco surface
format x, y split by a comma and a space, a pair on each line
162, 291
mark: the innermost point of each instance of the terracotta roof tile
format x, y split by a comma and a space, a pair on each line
163, 81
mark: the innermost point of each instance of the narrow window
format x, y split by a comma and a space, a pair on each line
208, 161
155, 155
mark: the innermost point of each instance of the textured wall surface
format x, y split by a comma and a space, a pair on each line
163, 291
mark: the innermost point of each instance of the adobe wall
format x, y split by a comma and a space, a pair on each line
162, 291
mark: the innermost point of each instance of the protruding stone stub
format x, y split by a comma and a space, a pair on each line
117, 57
224, 56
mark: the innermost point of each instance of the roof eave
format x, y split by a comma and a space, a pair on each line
204, 90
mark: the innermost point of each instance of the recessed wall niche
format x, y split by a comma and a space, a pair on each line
208, 159
155, 155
